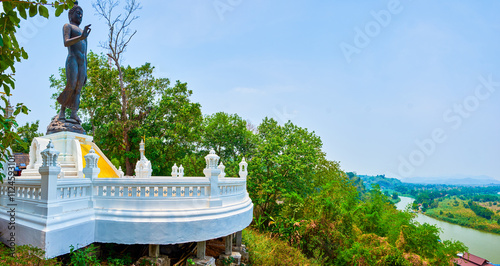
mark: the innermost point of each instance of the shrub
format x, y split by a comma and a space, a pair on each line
265, 250
83, 256
25, 255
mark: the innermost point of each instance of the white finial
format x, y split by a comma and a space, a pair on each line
243, 168
143, 167
212, 160
221, 167
91, 159
181, 171
49, 155
120, 171
175, 170
142, 149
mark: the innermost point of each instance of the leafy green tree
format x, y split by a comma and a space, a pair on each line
284, 164
10, 53
229, 136
172, 129
27, 133
155, 110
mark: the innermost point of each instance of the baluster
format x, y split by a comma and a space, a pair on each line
134, 192
160, 191
169, 192
143, 192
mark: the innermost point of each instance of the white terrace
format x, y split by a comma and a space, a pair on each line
71, 203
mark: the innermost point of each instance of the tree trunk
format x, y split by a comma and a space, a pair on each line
124, 119
128, 164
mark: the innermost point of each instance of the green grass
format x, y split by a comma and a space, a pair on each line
25, 255
266, 250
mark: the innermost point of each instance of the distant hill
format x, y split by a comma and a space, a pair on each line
381, 180
453, 180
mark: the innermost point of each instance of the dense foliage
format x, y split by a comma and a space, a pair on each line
10, 53
480, 211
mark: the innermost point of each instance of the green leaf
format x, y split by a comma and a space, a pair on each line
44, 12
24, 54
59, 10
33, 10
1, 41
22, 12
6, 89
6, 41
7, 6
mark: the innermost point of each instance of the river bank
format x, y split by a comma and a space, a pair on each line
480, 243
456, 211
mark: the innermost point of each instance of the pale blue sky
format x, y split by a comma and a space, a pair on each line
284, 59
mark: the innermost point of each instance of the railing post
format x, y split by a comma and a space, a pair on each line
243, 168
212, 172
221, 167
49, 172
175, 170
181, 171
91, 171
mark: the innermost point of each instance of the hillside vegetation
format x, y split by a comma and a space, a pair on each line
469, 213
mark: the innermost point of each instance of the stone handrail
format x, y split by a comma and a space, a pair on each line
151, 188
189, 190
24, 189
73, 188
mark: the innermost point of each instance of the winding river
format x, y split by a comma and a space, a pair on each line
482, 244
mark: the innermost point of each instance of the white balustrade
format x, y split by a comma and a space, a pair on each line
110, 206
74, 189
